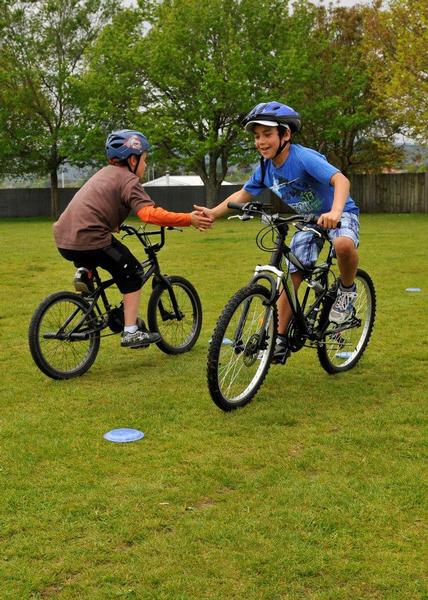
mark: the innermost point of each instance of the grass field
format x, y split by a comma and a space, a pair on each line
316, 490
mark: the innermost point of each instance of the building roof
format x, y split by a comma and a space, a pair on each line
166, 180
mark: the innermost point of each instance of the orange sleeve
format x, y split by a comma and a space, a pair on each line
160, 216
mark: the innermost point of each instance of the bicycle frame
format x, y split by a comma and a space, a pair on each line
279, 279
150, 267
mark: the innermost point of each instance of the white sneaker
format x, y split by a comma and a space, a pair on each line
138, 339
343, 308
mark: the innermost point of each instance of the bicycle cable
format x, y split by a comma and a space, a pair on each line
261, 242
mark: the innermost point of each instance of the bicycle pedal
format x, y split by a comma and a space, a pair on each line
280, 360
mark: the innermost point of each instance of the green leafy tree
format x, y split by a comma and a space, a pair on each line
41, 52
397, 43
111, 88
188, 72
329, 82
207, 64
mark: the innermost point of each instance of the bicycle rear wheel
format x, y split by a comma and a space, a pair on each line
340, 351
62, 341
241, 347
176, 314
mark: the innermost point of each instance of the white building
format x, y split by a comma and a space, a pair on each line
185, 180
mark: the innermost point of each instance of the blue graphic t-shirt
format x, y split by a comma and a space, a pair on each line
302, 182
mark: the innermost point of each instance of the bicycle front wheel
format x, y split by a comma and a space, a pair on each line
62, 340
340, 351
241, 347
175, 312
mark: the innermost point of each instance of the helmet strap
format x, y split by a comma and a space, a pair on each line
262, 169
136, 166
282, 146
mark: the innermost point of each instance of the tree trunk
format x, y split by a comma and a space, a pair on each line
211, 194
54, 195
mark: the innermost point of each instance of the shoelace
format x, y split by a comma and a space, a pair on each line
344, 299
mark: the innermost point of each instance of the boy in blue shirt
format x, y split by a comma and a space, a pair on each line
309, 184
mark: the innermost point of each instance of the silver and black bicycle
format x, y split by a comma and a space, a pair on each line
66, 328
243, 341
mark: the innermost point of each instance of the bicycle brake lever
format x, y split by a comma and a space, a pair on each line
307, 228
241, 217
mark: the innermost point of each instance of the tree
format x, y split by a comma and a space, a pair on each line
397, 42
201, 67
330, 83
207, 64
41, 51
111, 87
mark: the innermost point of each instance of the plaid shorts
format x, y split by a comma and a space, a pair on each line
306, 246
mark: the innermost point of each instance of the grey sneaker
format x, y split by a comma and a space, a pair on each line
83, 281
138, 339
281, 352
343, 308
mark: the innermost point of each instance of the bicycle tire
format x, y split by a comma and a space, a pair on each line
61, 358
177, 335
236, 368
341, 351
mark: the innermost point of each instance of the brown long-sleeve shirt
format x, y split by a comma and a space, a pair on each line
102, 204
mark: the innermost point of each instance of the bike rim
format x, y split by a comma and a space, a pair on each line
242, 362
62, 355
343, 347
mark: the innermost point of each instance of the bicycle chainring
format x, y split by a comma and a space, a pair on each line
295, 339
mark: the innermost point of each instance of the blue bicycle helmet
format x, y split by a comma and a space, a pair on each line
272, 114
124, 143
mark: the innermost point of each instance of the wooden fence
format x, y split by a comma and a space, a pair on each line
391, 192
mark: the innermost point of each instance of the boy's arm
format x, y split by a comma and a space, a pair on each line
241, 196
160, 216
341, 186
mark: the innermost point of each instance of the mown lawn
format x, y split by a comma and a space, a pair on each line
316, 490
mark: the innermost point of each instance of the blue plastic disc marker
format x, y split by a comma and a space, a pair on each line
413, 290
123, 435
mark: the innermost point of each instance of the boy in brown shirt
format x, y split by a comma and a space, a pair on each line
83, 232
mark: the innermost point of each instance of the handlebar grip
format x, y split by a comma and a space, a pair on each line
312, 220
235, 205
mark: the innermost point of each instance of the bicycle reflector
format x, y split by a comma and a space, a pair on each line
123, 435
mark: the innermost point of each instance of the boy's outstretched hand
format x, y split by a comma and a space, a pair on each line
205, 210
201, 220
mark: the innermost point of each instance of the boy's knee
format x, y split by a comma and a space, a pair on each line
344, 246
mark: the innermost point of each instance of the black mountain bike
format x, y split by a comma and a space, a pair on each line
66, 329
243, 341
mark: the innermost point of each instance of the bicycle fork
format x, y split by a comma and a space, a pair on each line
257, 341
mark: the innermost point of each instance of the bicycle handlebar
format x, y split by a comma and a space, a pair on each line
143, 235
252, 208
